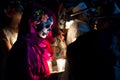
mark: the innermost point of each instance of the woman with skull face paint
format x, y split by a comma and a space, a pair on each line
29, 57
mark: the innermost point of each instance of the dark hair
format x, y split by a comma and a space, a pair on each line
9, 8
13, 6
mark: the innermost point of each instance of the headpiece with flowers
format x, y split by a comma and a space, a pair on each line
37, 14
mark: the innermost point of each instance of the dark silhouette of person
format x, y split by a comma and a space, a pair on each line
91, 55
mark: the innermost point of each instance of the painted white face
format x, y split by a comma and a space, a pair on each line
45, 27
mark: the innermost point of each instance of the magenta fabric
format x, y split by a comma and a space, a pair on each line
38, 53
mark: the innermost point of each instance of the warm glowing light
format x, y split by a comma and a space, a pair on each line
61, 64
69, 23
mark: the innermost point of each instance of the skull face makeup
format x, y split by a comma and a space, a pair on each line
40, 21
45, 26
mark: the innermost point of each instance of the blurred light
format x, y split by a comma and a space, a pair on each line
68, 24
61, 64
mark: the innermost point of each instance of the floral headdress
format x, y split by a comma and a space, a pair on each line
37, 14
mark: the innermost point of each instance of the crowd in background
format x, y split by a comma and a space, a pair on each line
33, 45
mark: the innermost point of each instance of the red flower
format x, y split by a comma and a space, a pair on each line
44, 17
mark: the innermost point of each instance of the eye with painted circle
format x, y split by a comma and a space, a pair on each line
47, 26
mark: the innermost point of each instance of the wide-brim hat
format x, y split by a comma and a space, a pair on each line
79, 9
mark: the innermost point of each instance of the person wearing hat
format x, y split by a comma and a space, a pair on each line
80, 24
78, 28
91, 55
